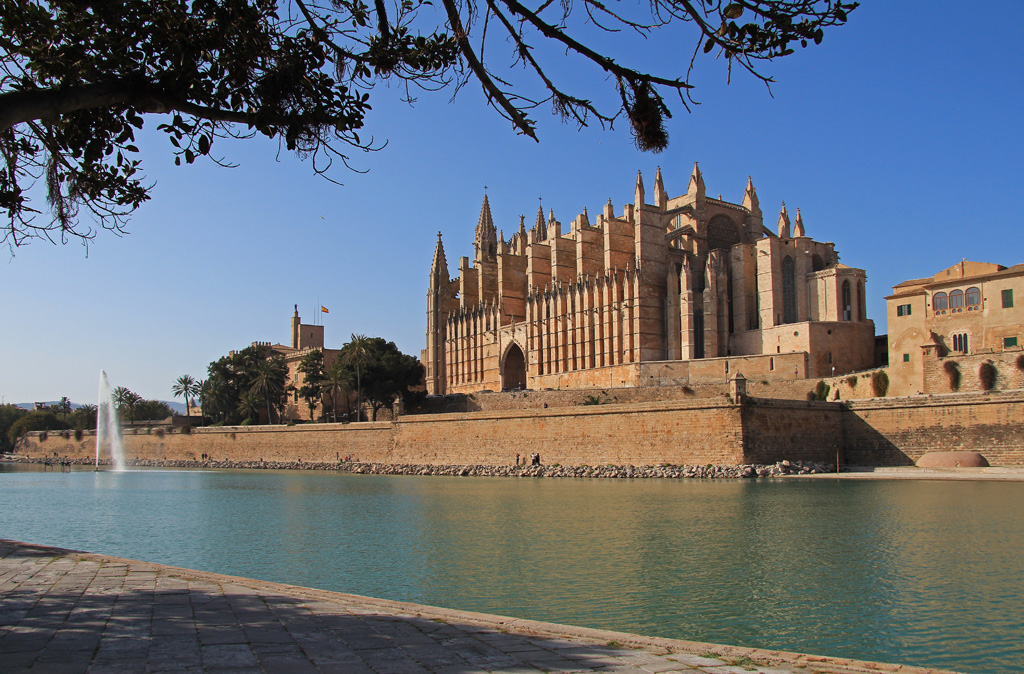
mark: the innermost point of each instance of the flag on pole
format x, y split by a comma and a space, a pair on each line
323, 309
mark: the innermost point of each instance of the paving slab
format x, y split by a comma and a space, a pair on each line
73, 612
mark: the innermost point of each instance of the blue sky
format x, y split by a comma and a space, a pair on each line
899, 138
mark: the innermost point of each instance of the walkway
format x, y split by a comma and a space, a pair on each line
69, 612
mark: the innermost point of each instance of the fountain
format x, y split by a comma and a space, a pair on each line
108, 426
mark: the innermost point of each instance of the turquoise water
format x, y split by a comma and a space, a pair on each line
925, 573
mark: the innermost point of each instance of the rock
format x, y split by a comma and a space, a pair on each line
952, 460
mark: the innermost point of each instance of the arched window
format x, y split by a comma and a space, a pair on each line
940, 302
960, 343
973, 297
847, 308
788, 290
956, 299
861, 309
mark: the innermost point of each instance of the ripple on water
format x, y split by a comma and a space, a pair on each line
924, 573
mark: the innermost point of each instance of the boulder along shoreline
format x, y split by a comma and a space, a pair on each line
709, 471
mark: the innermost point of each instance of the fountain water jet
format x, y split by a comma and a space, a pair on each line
108, 426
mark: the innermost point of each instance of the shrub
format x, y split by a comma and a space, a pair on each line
852, 380
952, 369
820, 391
599, 399
880, 383
186, 429
34, 421
246, 422
1020, 362
159, 432
43, 436
987, 376
78, 434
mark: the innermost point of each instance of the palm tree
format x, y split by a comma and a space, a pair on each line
121, 395
186, 387
63, 408
87, 414
357, 353
337, 380
268, 381
201, 396
249, 404
126, 400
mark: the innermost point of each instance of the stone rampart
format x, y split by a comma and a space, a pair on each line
897, 431
884, 431
798, 431
368, 441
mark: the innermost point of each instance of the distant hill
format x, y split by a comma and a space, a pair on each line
177, 407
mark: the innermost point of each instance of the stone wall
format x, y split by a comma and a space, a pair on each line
637, 434
897, 431
673, 432
367, 441
798, 431
1009, 374
884, 431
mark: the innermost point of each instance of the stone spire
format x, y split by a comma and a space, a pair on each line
783, 222
439, 267
660, 197
798, 225
696, 186
486, 241
750, 201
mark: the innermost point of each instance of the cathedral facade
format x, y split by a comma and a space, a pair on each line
688, 289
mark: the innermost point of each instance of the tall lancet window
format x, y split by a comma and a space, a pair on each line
847, 306
788, 290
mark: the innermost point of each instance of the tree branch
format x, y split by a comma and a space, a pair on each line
607, 64
524, 125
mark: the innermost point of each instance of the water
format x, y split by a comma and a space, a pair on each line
924, 573
108, 425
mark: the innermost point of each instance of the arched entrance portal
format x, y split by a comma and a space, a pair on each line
513, 371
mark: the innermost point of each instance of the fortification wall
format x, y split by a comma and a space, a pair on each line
882, 431
798, 431
636, 434
897, 431
1009, 374
699, 432
321, 442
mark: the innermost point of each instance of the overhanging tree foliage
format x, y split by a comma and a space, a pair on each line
77, 78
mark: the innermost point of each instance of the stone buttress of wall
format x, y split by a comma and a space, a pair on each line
774, 430
897, 431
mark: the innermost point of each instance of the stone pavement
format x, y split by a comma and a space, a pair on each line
69, 612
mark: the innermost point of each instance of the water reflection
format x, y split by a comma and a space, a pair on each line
925, 573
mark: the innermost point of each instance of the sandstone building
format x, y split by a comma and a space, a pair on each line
943, 329
668, 292
304, 339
